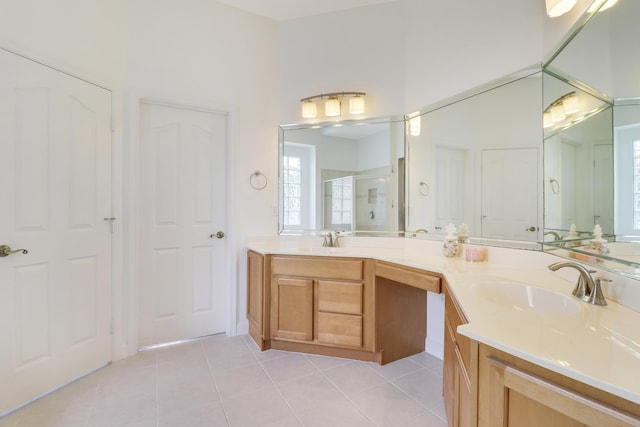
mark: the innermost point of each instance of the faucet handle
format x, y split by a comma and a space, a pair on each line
596, 297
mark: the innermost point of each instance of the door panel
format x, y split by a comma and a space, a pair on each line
55, 301
509, 194
182, 203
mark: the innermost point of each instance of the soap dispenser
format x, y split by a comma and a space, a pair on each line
450, 244
573, 237
598, 244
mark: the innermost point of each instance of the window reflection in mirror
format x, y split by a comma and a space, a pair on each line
478, 161
343, 177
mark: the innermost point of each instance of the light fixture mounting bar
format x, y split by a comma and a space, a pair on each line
332, 94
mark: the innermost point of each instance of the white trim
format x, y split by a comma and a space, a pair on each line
130, 178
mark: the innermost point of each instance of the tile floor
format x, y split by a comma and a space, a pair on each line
227, 381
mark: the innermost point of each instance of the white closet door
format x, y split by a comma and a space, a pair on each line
55, 158
509, 194
182, 203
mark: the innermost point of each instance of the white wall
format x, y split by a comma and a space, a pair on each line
404, 54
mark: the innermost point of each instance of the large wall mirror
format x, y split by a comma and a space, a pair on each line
346, 176
596, 161
477, 160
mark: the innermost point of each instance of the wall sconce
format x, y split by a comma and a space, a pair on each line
333, 104
557, 8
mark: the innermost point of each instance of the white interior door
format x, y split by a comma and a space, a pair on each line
55, 158
509, 194
182, 204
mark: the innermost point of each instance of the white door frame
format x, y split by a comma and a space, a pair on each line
130, 158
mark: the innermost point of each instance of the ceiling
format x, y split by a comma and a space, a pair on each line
282, 10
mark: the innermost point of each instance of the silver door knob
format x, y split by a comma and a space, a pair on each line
532, 229
5, 250
219, 235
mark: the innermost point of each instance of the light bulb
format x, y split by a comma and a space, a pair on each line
309, 109
356, 105
557, 8
332, 107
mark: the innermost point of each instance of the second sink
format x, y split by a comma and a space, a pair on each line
526, 297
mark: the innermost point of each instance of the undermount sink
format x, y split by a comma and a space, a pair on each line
321, 249
526, 297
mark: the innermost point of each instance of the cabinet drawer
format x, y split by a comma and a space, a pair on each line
340, 329
409, 276
340, 297
320, 268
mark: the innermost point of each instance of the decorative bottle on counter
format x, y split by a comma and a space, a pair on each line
450, 244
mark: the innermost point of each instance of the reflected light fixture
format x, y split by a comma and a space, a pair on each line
557, 8
356, 105
415, 124
332, 107
333, 104
309, 109
565, 107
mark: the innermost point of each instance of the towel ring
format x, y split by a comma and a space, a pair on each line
555, 186
423, 189
258, 180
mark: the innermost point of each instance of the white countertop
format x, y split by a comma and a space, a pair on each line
599, 346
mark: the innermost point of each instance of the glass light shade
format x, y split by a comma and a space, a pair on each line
557, 113
309, 109
415, 125
571, 104
557, 8
332, 107
356, 105
547, 122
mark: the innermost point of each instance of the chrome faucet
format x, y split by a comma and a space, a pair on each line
329, 241
586, 289
419, 230
555, 235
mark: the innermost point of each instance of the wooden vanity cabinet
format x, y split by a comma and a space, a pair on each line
325, 302
513, 392
259, 298
459, 368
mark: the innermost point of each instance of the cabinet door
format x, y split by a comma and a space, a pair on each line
519, 398
463, 392
257, 298
293, 309
449, 375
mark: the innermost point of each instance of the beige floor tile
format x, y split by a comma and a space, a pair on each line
310, 391
396, 369
262, 408
288, 368
241, 381
386, 405
426, 388
222, 381
425, 419
354, 377
338, 413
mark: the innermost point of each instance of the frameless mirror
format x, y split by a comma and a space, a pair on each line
578, 161
345, 176
602, 59
478, 161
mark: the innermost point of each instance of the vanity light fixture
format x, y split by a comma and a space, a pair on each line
309, 109
356, 105
332, 107
557, 8
333, 104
